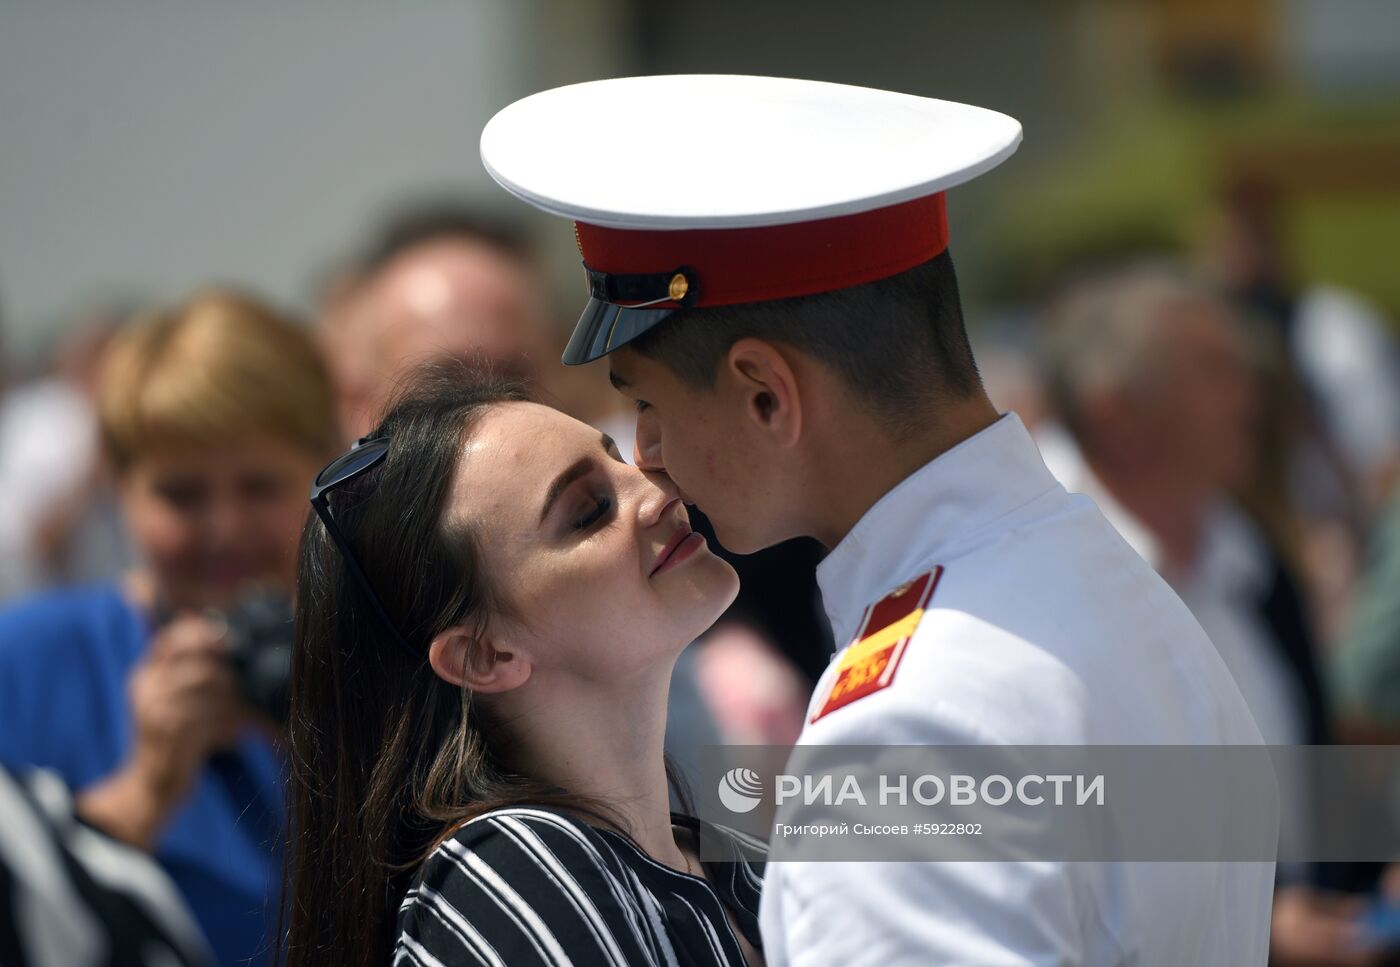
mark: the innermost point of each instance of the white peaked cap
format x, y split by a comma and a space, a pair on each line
663, 174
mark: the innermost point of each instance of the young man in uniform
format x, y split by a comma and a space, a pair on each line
769, 273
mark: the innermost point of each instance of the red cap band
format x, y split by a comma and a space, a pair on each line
734, 265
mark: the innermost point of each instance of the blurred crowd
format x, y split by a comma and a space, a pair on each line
1241, 430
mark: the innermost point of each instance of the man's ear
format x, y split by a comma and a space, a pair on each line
463, 658
769, 386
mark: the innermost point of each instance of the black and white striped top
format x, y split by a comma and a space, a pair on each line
72, 897
534, 886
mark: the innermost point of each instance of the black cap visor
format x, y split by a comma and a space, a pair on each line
605, 326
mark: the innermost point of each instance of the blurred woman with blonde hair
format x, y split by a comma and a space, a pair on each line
215, 417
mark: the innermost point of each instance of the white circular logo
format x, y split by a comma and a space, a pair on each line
740, 790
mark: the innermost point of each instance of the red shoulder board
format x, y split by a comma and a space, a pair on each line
868, 664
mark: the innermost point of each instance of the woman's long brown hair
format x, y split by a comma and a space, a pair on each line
387, 758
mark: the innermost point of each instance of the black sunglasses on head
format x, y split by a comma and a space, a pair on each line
365, 455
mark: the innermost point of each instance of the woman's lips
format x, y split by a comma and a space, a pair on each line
682, 546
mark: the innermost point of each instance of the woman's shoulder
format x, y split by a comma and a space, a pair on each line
513, 821
521, 842
523, 885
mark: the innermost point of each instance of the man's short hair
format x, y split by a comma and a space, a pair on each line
899, 344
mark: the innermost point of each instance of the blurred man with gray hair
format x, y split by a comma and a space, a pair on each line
1155, 379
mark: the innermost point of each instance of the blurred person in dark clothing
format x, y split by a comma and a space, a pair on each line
1153, 375
1333, 445
216, 416
1341, 346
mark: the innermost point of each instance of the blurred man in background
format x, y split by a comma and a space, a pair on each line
1154, 376
434, 283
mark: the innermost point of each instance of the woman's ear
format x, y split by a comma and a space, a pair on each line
466, 659
769, 385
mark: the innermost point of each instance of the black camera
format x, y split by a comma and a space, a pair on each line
260, 648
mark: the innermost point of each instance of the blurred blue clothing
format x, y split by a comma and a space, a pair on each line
65, 658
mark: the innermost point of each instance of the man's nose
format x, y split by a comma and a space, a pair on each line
646, 452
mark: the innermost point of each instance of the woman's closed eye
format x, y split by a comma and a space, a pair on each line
582, 494
598, 508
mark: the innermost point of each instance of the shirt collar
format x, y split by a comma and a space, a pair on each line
905, 532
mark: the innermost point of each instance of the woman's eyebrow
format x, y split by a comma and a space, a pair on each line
575, 470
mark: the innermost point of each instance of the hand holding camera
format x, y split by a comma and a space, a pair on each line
185, 707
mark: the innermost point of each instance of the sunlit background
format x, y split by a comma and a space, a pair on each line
149, 147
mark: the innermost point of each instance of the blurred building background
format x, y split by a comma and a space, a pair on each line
150, 146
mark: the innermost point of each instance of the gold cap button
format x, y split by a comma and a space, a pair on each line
680, 285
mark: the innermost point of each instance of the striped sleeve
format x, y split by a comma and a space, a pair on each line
71, 896
522, 887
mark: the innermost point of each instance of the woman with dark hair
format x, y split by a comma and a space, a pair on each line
490, 604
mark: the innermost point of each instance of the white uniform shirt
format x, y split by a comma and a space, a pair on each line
1044, 628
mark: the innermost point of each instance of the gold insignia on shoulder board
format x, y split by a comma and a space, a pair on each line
869, 662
